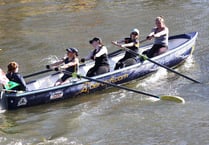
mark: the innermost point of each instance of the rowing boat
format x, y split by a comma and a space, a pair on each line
42, 90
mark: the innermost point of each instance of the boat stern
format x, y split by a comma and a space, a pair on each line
3, 102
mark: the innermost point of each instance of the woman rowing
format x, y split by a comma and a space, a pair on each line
69, 63
99, 55
131, 43
160, 33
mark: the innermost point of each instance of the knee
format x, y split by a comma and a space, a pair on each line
119, 65
102, 70
130, 61
162, 50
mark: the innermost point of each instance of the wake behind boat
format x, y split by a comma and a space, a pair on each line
43, 91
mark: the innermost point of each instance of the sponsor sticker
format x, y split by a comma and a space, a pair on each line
56, 95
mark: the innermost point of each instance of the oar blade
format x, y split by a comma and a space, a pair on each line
173, 98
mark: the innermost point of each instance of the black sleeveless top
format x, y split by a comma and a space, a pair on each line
71, 68
134, 48
102, 60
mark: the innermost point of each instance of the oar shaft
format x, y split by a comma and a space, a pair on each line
164, 66
168, 98
120, 87
37, 73
172, 70
142, 40
115, 85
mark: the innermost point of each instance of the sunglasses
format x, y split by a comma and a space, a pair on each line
134, 33
69, 52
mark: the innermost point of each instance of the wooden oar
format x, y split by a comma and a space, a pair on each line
37, 73
164, 66
166, 97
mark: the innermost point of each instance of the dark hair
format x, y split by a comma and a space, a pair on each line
73, 50
12, 66
127, 40
95, 39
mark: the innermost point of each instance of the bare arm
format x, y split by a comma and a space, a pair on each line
118, 41
163, 32
158, 34
124, 45
128, 44
54, 65
57, 63
73, 63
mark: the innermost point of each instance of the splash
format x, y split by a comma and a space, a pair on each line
60, 140
2, 110
161, 73
50, 59
189, 62
151, 99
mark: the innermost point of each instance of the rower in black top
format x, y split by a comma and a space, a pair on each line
70, 63
130, 43
99, 55
15, 76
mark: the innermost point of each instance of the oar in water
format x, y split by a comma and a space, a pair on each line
166, 97
164, 66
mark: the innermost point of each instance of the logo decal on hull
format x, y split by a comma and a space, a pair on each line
56, 95
23, 101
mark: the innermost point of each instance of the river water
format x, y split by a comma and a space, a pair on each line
36, 32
